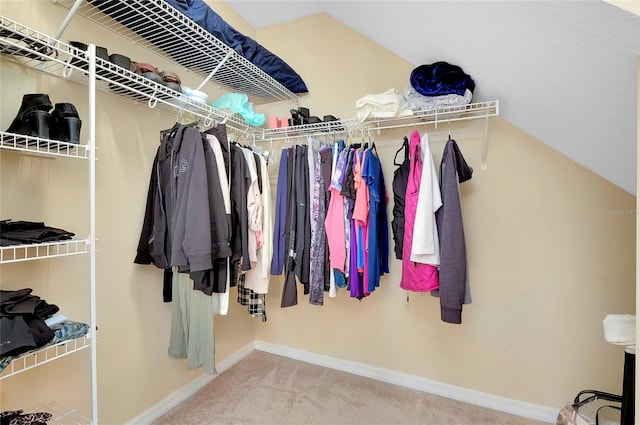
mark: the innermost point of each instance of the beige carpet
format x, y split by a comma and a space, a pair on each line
268, 389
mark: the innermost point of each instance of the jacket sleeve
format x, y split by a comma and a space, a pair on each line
143, 255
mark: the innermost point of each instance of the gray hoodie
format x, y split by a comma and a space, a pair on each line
453, 256
182, 216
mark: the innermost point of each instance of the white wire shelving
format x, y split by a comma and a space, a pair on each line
31, 48
162, 29
61, 415
44, 355
19, 253
471, 111
39, 146
340, 126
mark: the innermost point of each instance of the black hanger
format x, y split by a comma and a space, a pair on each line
405, 146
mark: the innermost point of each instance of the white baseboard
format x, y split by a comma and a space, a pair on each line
515, 407
180, 395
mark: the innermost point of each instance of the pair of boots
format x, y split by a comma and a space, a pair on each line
36, 118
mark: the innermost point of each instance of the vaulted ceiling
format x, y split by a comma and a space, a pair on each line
564, 71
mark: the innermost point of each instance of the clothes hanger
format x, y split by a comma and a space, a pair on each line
405, 146
271, 159
373, 144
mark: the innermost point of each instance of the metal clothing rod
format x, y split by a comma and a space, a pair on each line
67, 19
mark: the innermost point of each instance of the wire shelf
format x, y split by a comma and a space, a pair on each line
31, 48
165, 31
62, 415
467, 112
328, 127
44, 355
36, 145
448, 114
19, 253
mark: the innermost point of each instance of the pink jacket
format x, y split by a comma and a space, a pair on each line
416, 277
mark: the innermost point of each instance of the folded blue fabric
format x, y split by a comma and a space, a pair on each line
200, 12
441, 78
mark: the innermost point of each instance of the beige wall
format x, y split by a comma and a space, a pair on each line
551, 251
550, 245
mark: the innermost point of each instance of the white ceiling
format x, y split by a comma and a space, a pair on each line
564, 71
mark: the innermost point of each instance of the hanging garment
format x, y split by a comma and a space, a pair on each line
303, 223
453, 257
425, 247
182, 216
214, 280
326, 162
334, 222
416, 277
254, 207
318, 237
399, 185
221, 267
361, 215
257, 279
279, 242
239, 214
289, 289
192, 332
378, 231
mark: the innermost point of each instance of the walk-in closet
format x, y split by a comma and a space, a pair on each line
189, 186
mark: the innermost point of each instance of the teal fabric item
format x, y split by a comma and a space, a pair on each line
239, 103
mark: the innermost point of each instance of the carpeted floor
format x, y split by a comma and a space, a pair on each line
268, 389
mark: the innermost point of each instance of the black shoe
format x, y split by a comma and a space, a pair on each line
33, 118
24, 46
101, 53
66, 123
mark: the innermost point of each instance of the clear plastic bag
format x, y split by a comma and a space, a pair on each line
591, 407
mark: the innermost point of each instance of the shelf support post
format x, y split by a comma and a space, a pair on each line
212, 73
92, 231
483, 164
67, 19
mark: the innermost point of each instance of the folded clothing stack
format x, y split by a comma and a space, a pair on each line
388, 104
438, 85
22, 321
28, 322
30, 232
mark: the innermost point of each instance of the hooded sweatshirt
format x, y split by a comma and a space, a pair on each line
453, 257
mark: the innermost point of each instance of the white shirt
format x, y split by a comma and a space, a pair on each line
425, 247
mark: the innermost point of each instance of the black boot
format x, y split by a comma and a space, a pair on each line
33, 118
66, 123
